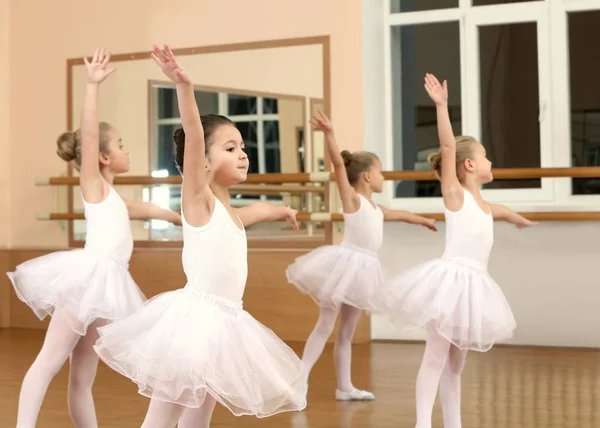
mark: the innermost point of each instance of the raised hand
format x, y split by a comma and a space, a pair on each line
169, 65
438, 93
322, 122
97, 69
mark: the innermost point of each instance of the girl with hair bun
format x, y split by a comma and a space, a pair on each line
453, 297
85, 288
348, 278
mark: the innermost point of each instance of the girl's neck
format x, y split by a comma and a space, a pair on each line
364, 190
109, 176
221, 193
473, 188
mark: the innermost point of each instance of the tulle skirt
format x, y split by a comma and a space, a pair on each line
84, 285
186, 343
341, 274
456, 298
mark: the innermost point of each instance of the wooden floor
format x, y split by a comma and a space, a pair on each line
505, 388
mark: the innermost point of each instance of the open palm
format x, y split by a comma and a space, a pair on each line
322, 122
169, 65
438, 93
97, 69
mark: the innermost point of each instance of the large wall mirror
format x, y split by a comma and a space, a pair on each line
269, 89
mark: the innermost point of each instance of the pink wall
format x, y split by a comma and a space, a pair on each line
44, 34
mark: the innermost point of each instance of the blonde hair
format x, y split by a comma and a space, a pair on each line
464, 151
356, 163
68, 144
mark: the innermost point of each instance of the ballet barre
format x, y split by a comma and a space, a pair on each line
324, 176
339, 217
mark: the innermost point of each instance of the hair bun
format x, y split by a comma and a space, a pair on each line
435, 160
347, 157
66, 146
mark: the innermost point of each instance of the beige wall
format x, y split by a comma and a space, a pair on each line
72, 28
4, 133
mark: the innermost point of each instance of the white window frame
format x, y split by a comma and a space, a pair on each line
553, 78
223, 109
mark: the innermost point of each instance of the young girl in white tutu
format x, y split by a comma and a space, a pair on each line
453, 297
189, 348
85, 288
348, 278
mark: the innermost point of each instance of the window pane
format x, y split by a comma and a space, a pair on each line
165, 158
420, 5
241, 105
489, 2
585, 100
269, 106
416, 50
248, 131
272, 153
208, 102
167, 103
509, 90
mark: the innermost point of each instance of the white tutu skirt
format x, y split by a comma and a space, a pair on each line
455, 298
83, 285
341, 274
185, 344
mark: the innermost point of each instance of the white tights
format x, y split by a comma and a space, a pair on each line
342, 351
60, 343
166, 415
442, 366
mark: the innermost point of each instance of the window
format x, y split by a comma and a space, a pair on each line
497, 57
256, 118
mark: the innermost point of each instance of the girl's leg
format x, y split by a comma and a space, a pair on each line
200, 417
162, 414
318, 338
343, 356
450, 388
84, 365
59, 342
434, 361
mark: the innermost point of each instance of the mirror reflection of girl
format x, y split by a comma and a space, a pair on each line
189, 348
453, 297
348, 278
85, 288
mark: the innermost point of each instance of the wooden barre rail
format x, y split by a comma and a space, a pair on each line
338, 217
319, 177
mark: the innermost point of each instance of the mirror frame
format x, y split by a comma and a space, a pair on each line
266, 243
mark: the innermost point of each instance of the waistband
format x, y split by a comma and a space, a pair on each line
467, 262
231, 306
359, 249
104, 254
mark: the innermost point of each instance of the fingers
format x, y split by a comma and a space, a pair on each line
170, 54
106, 59
160, 55
156, 60
96, 54
111, 71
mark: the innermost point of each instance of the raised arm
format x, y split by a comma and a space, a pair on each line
197, 199
451, 189
350, 199
150, 211
93, 186
407, 217
264, 211
503, 213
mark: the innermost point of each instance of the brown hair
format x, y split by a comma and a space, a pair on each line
210, 123
68, 144
356, 163
464, 151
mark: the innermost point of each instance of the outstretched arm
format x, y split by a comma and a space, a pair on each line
93, 185
259, 212
350, 199
197, 199
503, 213
405, 216
150, 211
